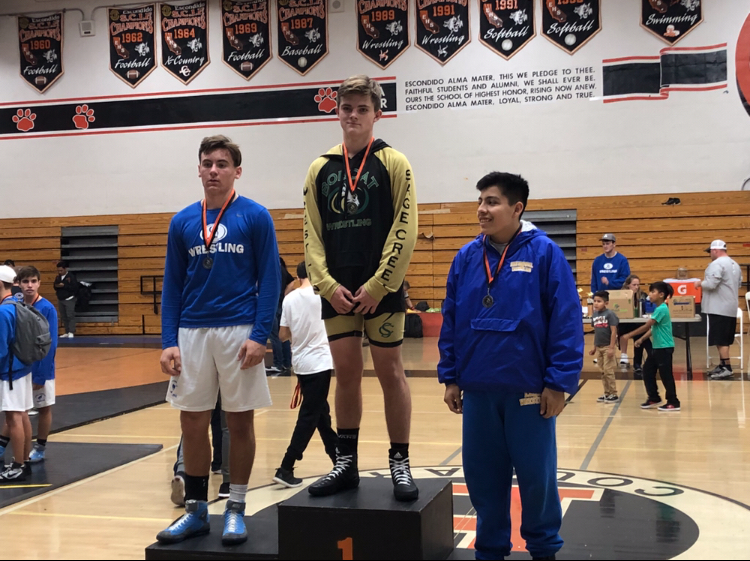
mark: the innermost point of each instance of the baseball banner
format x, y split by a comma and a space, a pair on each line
132, 43
184, 40
40, 44
303, 33
247, 35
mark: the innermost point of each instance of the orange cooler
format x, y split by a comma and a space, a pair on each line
685, 287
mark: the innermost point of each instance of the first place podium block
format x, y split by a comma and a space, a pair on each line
368, 523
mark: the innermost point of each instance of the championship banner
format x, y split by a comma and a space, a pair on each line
570, 24
40, 42
132, 43
382, 30
505, 26
443, 27
184, 40
671, 20
247, 35
303, 33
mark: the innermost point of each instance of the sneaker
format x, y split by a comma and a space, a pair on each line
70, 335
611, 399
178, 490
32, 412
649, 404
638, 369
235, 531
716, 370
286, 478
722, 374
669, 407
343, 476
624, 360
27, 469
12, 475
596, 361
37, 455
224, 490
404, 488
63, 336
273, 370
193, 523
601, 399
216, 469
286, 372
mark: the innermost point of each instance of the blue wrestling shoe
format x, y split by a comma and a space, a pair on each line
36, 456
235, 531
193, 523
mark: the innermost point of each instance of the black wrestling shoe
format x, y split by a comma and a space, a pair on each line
404, 488
343, 476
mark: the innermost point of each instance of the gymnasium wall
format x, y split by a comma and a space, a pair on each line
686, 142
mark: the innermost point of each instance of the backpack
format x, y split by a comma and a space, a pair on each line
413, 326
33, 339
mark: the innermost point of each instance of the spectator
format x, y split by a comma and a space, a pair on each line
16, 289
66, 287
282, 350
633, 282
301, 321
721, 287
407, 301
610, 269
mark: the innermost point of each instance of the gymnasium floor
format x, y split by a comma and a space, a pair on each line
704, 447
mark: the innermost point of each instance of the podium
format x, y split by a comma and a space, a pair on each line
364, 523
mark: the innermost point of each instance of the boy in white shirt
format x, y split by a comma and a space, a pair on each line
301, 321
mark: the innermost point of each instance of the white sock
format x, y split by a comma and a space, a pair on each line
237, 493
624, 356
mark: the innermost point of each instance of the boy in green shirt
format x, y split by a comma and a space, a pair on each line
659, 328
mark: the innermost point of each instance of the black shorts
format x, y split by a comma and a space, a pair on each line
721, 330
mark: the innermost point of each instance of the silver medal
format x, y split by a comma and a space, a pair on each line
208, 262
488, 301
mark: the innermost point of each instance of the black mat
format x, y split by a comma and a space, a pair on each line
71, 411
68, 462
262, 543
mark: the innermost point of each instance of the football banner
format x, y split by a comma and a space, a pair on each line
40, 44
132, 43
247, 35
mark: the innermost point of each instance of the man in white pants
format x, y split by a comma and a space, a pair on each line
221, 288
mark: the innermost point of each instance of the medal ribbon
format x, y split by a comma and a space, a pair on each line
353, 186
487, 269
208, 239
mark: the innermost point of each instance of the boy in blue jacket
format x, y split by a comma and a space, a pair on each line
13, 402
610, 269
512, 343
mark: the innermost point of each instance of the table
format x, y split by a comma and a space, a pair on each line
687, 321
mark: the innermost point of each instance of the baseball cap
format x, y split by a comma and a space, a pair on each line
717, 244
7, 274
608, 238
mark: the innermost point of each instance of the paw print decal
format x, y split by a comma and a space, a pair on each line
83, 117
24, 120
326, 100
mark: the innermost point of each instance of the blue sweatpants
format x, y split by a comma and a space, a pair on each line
500, 434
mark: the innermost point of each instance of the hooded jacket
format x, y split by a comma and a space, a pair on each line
531, 338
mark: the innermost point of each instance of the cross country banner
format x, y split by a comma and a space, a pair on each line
132, 43
303, 33
382, 30
443, 27
506, 26
570, 24
184, 40
671, 20
40, 44
247, 35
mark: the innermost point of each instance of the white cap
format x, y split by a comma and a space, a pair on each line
7, 274
717, 244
